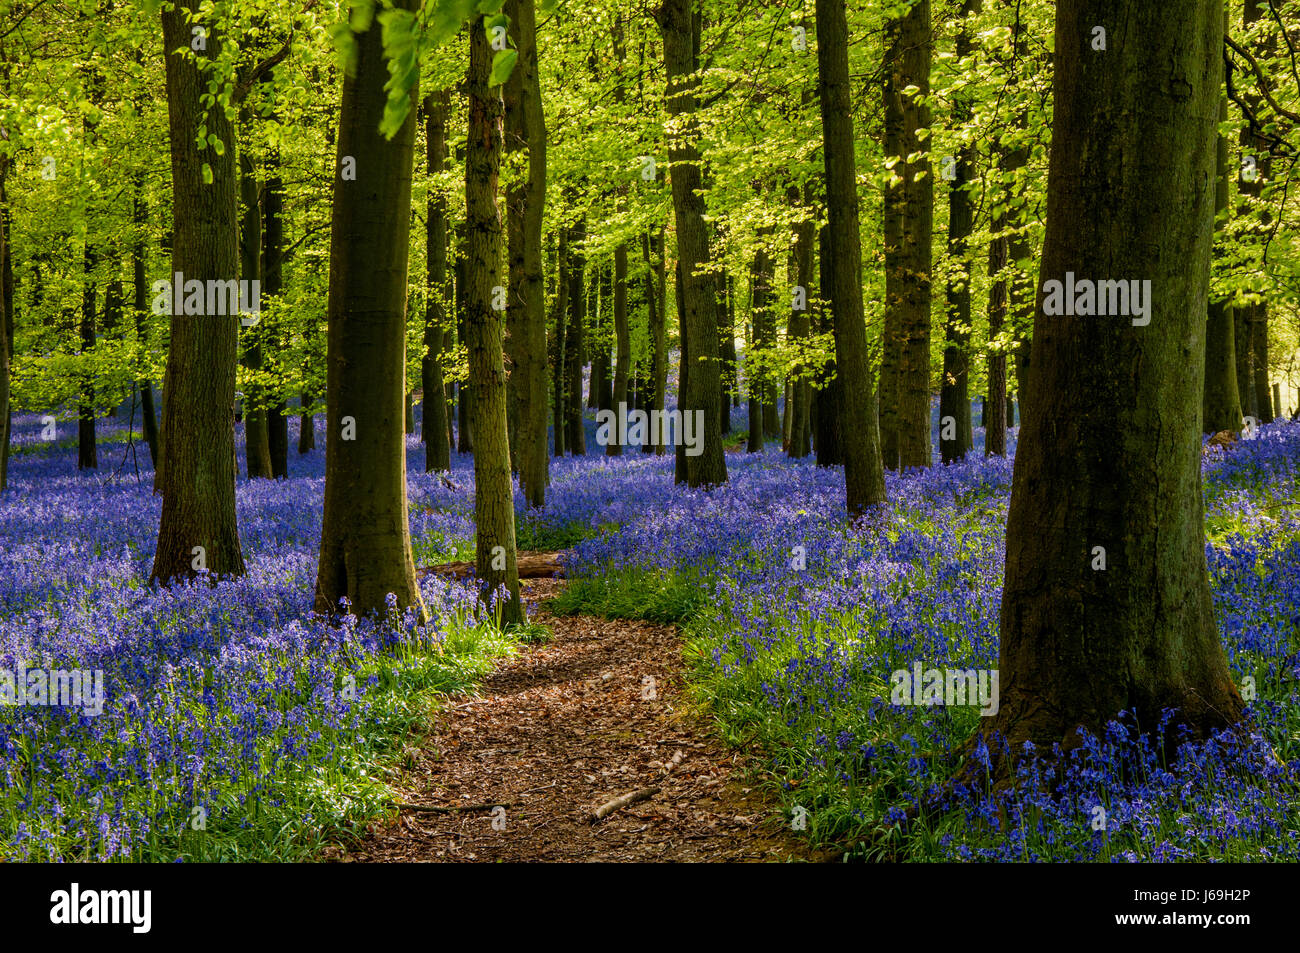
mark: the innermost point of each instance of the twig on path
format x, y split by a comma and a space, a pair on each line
438, 809
609, 807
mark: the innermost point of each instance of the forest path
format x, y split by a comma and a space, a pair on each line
562, 728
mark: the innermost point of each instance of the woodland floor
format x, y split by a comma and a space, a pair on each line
562, 728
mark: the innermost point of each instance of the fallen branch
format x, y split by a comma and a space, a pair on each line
437, 809
609, 807
530, 566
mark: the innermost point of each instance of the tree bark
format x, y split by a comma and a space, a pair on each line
622, 341
954, 392
365, 538
575, 438
277, 411
433, 422
559, 344
701, 391
526, 129
1109, 452
87, 459
257, 448
494, 510
1221, 407
140, 288
864, 477
197, 476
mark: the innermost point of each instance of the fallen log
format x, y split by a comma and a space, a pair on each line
452, 809
609, 807
530, 565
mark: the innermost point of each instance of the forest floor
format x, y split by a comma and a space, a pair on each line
566, 725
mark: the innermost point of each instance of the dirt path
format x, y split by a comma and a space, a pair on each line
562, 728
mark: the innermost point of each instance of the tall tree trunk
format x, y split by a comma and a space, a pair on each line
680, 474
575, 439
656, 305
526, 129
954, 393
827, 398
494, 509
365, 549
995, 401
464, 397
864, 477
909, 202
198, 527
140, 302
277, 411
1079, 644
759, 383
87, 459
559, 369
433, 422
257, 448
702, 389
1221, 407
622, 341
1252, 319
800, 326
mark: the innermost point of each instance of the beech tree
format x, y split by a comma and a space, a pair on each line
1107, 473
198, 528
365, 550
494, 509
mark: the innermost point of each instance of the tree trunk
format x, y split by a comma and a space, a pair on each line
494, 510
575, 439
87, 459
198, 527
653, 398
757, 378
140, 288
622, 341
864, 477
800, 327
559, 344
702, 389
257, 448
365, 538
1079, 644
1255, 394
826, 407
954, 392
526, 129
465, 441
995, 400
1221, 407
433, 422
277, 412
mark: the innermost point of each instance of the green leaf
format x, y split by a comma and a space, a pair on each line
207, 174
502, 65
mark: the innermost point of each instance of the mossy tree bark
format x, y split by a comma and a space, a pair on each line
365, 538
859, 436
433, 422
494, 508
1109, 452
526, 314
197, 474
702, 388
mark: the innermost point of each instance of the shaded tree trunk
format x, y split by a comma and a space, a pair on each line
87, 459
365, 549
197, 473
575, 439
140, 288
526, 129
702, 388
559, 344
257, 448
842, 266
622, 340
1221, 407
1078, 644
494, 510
433, 422
954, 393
